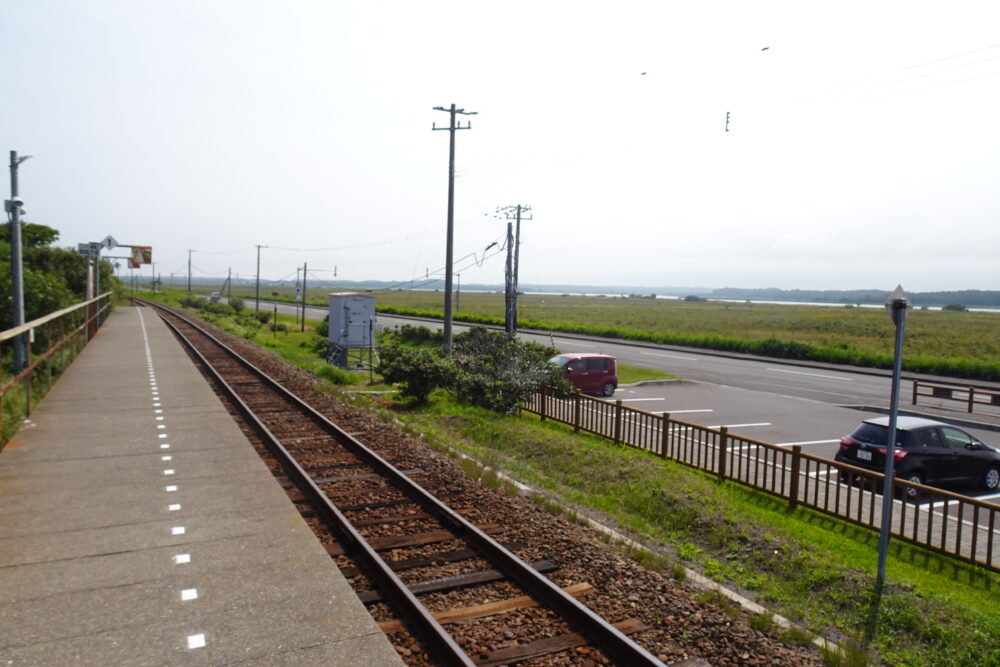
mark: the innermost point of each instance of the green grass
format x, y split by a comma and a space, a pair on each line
804, 565
629, 374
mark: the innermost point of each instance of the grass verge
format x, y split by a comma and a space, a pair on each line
804, 565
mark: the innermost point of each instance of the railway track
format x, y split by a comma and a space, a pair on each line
393, 536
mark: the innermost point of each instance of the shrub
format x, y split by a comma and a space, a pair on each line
498, 372
237, 304
958, 307
248, 320
219, 308
263, 316
419, 371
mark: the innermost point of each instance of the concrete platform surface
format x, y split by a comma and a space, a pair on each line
139, 527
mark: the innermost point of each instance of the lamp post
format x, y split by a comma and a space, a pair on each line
16, 266
897, 305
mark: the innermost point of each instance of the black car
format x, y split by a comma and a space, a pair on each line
927, 452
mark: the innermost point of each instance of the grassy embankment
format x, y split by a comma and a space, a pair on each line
803, 565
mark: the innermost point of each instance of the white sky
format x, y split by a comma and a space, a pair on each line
863, 151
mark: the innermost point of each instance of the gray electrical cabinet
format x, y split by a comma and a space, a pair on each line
352, 324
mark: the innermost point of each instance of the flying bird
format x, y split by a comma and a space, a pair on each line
765, 48
643, 74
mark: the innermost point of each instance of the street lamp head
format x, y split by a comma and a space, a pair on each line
896, 303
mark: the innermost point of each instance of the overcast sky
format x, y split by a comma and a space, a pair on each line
863, 147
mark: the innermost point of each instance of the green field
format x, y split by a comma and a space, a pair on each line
956, 344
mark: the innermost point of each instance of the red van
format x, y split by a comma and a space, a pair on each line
590, 373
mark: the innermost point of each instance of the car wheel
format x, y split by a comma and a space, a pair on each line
609, 389
991, 480
913, 478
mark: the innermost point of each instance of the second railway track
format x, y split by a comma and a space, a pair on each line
462, 583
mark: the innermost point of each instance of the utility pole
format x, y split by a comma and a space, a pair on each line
256, 307
517, 213
16, 265
458, 293
305, 266
189, 271
452, 111
229, 281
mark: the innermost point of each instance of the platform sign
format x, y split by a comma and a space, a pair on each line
89, 249
141, 254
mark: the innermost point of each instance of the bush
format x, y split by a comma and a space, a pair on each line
498, 372
196, 302
237, 304
958, 307
219, 308
248, 320
420, 371
263, 316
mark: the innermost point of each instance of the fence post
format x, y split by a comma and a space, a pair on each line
618, 421
972, 394
793, 492
723, 447
27, 378
665, 439
576, 411
542, 408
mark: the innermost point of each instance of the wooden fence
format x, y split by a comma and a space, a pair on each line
946, 522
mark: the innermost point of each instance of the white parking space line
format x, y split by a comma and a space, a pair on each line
670, 356
815, 375
740, 425
806, 442
633, 400
991, 496
679, 412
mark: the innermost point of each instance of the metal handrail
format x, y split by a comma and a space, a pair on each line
74, 326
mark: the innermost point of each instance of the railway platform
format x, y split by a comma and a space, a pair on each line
138, 526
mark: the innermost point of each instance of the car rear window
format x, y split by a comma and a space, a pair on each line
873, 434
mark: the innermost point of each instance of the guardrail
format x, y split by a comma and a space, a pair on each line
936, 519
971, 396
51, 344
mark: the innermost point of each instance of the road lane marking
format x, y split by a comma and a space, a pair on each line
670, 356
678, 412
815, 375
806, 442
633, 400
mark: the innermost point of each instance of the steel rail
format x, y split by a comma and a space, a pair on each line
417, 616
601, 633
